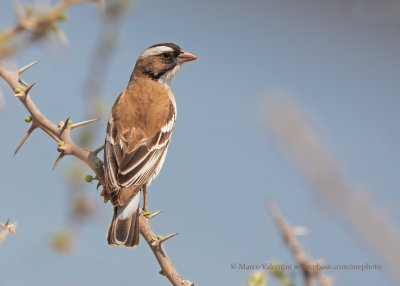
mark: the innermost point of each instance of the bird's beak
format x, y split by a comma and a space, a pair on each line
186, 57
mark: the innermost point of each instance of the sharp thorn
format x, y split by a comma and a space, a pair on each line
64, 126
21, 70
98, 150
73, 126
167, 237
23, 83
28, 89
158, 242
29, 132
58, 160
154, 214
22, 95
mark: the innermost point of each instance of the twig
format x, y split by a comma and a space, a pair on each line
98, 150
153, 215
61, 133
307, 264
158, 242
167, 269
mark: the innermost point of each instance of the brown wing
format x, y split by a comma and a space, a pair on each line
138, 133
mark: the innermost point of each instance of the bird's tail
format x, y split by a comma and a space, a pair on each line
124, 228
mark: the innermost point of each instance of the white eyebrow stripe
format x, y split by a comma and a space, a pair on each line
156, 51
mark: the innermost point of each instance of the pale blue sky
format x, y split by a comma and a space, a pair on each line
338, 59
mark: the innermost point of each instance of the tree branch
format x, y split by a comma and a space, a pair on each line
61, 134
167, 269
307, 264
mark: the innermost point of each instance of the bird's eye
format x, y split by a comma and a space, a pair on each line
166, 55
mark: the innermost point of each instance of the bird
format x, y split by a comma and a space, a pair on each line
138, 134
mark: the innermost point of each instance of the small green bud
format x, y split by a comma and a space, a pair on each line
159, 237
87, 149
62, 16
146, 214
28, 119
60, 144
89, 178
69, 122
19, 90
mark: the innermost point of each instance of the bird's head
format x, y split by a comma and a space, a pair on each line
162, 61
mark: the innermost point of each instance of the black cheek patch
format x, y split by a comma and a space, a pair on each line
163, 71
156, 76
152, 75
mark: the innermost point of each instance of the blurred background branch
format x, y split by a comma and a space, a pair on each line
34, 24
37, 24
290, 125
310, 272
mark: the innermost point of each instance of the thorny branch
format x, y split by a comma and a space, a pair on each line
306, 263
6, 229
61, 134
